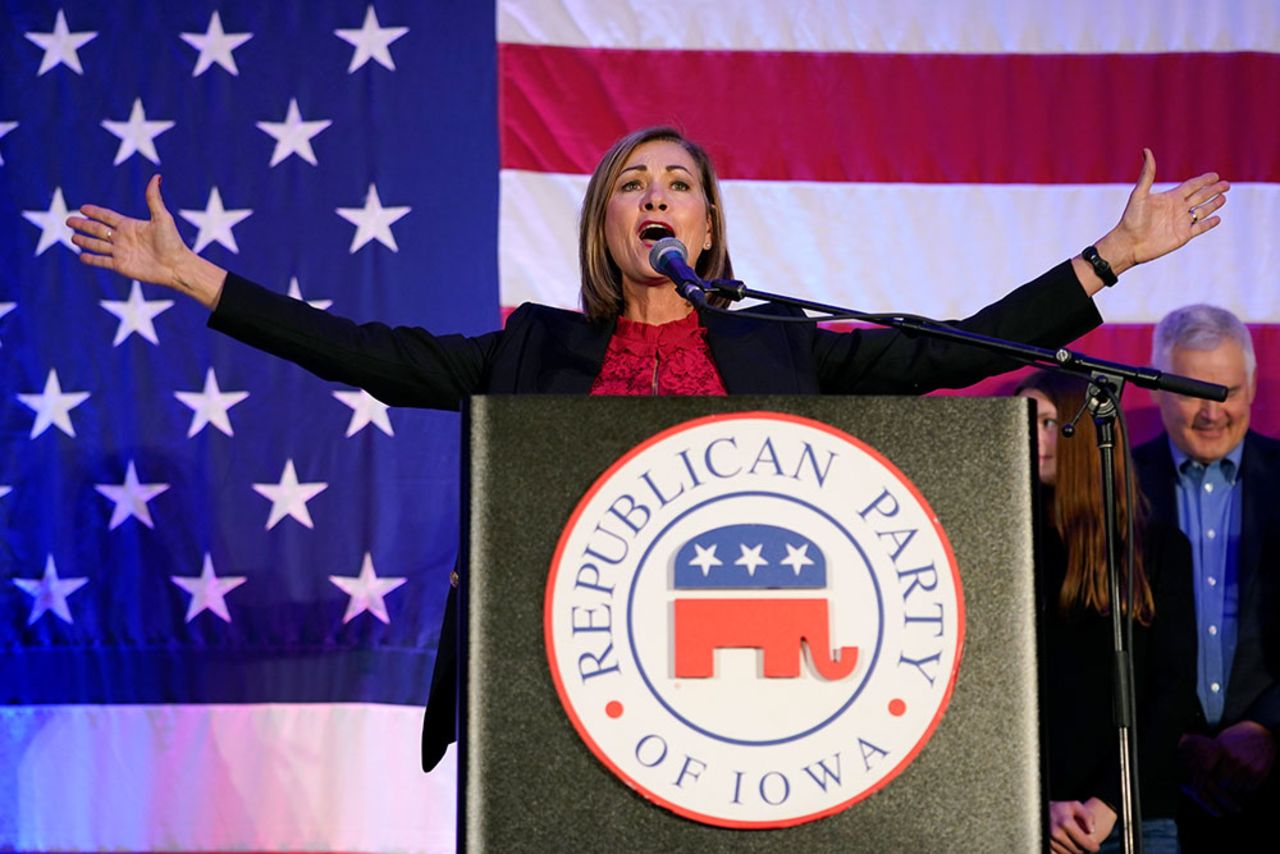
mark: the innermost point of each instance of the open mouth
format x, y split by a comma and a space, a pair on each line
655, 231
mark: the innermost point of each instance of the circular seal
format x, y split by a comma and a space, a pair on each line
754, 620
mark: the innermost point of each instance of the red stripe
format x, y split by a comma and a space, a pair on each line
919, 118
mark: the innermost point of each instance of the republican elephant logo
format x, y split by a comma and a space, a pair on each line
746, 559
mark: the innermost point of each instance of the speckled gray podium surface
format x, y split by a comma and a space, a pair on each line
528, 783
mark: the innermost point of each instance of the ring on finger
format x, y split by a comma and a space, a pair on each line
1195, 216
109, 234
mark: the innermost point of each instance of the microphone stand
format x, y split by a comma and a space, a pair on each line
1060, 359
1103, 402
1106, 380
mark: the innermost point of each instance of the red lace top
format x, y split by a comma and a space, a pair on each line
669, 359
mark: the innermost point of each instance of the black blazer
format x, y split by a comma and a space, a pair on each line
1253, 690
546, 350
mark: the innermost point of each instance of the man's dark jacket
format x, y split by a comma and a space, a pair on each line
1253, 687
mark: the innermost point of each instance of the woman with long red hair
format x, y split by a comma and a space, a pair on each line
1076, 636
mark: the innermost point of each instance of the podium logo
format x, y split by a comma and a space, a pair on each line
778, 627
754, 620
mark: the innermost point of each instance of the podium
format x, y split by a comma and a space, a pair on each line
529, 781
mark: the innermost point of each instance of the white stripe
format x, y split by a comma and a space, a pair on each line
231, 777
942, 250
902, 26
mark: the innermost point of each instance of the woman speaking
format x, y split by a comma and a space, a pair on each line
635, 334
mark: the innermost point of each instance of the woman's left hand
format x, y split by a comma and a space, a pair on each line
1104, 819
1154, 224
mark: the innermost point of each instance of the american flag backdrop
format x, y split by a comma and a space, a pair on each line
221, 578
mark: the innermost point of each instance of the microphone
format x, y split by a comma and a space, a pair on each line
670, 258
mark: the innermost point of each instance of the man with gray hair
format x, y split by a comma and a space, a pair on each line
1220, 483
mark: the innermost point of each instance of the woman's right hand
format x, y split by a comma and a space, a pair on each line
1074, 828
147, 250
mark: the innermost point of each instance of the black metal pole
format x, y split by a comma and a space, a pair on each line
1104, 403
1060, 359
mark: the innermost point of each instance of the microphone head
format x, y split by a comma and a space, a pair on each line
665, 250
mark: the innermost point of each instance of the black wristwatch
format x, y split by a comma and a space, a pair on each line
1099, 265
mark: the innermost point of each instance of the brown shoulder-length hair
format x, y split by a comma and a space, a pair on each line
602, 297
1075, 508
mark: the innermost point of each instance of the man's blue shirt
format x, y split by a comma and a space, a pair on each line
1209, 514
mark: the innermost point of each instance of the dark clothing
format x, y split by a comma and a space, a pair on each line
1253, 689
1082, 743
552, 351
